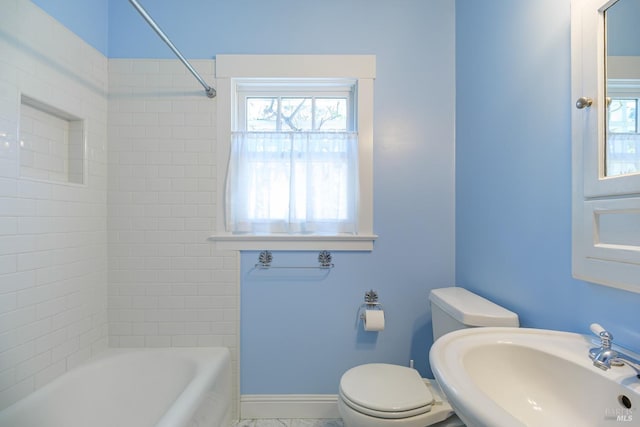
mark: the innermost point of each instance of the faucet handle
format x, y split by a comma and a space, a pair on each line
596, 328
605, 336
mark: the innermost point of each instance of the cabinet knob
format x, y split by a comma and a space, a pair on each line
583, 102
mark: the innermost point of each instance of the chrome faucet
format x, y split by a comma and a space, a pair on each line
604, 357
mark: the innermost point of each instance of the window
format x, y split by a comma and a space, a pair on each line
623, 115
623, 137
294, 158
296, 105
297, 133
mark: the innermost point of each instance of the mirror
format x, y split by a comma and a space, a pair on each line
622, 85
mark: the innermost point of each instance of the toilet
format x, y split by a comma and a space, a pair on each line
386, 395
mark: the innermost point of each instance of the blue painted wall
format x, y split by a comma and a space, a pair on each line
86, 18
513, 169
512, 173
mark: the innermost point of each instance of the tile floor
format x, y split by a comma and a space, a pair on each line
289, 423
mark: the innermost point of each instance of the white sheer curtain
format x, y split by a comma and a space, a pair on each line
292, 182
623, 153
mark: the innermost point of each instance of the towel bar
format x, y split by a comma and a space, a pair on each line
266, 257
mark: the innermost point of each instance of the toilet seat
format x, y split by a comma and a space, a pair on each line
385, 391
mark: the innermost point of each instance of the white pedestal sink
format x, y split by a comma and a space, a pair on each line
510, 377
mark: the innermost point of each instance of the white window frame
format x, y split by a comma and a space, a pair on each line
598, 254
233, 68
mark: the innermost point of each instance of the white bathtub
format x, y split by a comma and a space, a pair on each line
172, 387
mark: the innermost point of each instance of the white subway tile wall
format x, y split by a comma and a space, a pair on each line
53, 239
168, 286
150, 219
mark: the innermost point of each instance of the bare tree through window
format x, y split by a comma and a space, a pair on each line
296, 114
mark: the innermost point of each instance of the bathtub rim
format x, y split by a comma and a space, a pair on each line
194, 393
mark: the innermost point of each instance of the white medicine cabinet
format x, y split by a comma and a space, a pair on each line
606, 142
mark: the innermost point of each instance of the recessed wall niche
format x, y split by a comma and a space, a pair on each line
52, 145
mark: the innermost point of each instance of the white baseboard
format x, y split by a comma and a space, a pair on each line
257, 406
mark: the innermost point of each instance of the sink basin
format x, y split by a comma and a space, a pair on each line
509, 377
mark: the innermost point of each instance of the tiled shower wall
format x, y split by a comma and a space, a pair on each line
60, 242
53, 260
168, 286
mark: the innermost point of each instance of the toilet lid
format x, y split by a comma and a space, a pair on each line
386, 388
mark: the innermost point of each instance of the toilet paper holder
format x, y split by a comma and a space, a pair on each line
370, 303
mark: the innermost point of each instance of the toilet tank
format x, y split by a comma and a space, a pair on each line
456, 308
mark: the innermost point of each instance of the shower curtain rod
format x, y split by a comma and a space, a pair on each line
211, 92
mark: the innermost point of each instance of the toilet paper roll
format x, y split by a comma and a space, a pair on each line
373, 320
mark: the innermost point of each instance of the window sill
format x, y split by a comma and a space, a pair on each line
294, 243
